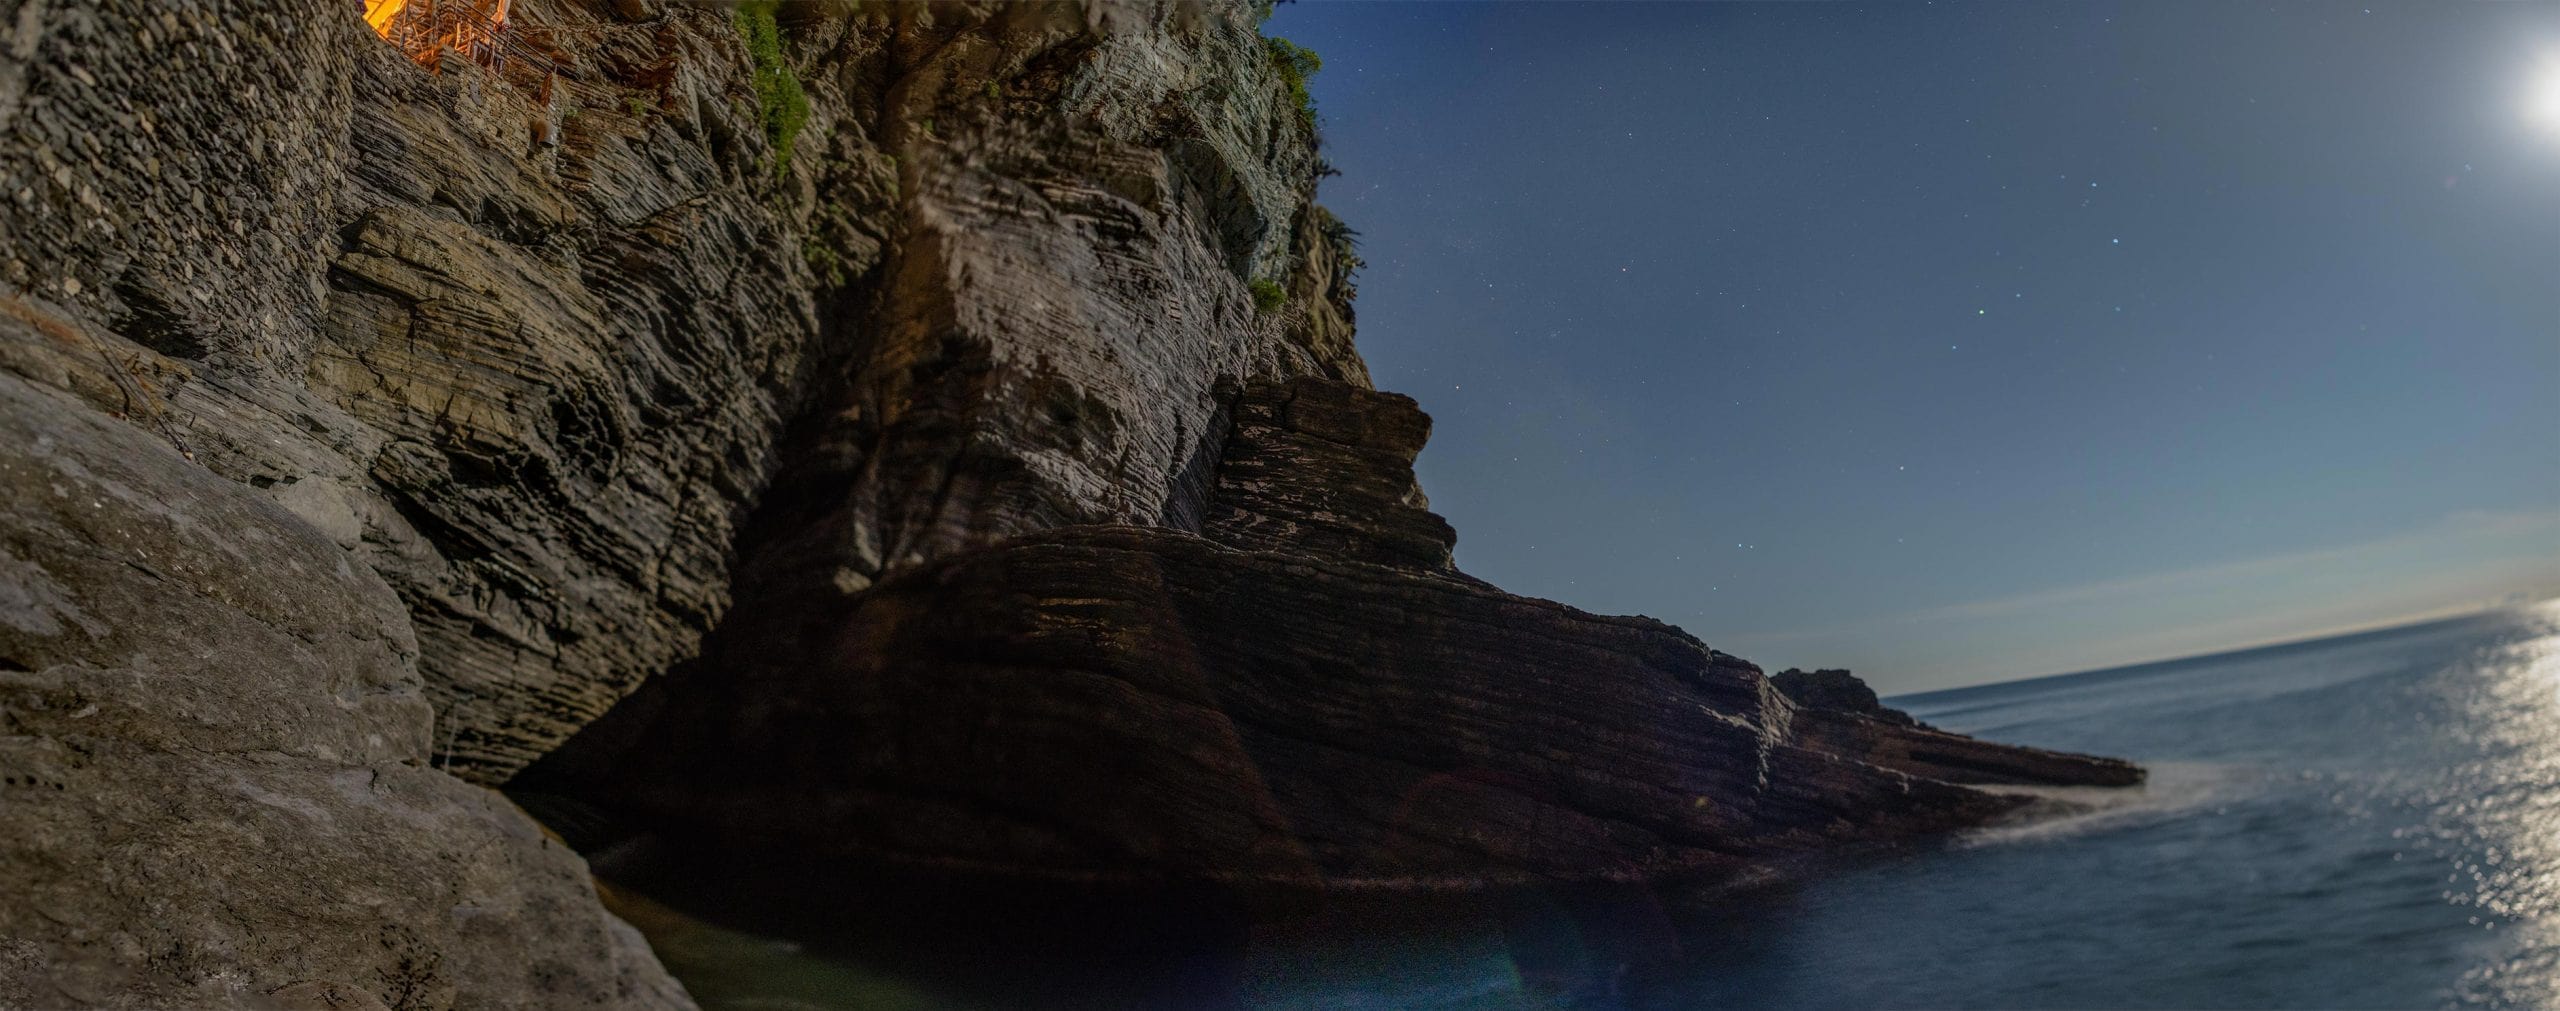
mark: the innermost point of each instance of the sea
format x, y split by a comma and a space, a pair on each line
2364, 821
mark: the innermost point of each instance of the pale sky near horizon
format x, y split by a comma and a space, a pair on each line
1957, 343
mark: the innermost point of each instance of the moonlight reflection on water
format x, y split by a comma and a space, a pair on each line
2366, 821
2498, 819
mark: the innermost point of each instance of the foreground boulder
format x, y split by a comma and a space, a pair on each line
213, 762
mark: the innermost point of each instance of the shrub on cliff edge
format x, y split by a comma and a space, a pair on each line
1295, 63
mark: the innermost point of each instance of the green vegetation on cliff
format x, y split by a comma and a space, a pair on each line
778, 93
1296, 63
1267, 294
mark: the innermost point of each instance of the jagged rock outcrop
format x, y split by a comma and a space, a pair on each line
944, 417
527, 384
526, 348
1322, 468
1307, 696
533, 357
1836, 691
1836, 711
1122, 701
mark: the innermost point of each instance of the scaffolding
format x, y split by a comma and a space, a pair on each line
478, 30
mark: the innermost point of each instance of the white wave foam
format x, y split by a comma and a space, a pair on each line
2063, 811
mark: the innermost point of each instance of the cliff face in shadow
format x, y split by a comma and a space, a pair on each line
1301, 693
931, 433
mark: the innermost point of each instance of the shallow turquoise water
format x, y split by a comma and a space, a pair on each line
2366, 821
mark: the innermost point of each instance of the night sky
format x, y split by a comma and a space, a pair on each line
1966, 343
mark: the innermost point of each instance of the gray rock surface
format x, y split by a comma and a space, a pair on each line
1086, 194
374, 430
213, 762
1836, 711
525, 350
532, 358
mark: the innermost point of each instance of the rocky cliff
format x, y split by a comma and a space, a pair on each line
1301, 693
922, 434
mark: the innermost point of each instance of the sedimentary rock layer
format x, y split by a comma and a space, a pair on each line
1320, 700
530, 346
1142, 702
1323, 468
949, 411
1836, 711
524, 345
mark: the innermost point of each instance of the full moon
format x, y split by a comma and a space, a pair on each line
2542, 95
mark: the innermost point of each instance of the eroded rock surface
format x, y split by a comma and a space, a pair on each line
213, 753
532, 348
1143, 702
928, 466
1330, 706
1835, 710
527, 348
1323, 468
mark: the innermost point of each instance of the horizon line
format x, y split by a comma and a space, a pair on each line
2439, 617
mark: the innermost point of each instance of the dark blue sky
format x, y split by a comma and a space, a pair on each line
1959, 343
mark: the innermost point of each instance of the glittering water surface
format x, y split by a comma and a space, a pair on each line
2366, 821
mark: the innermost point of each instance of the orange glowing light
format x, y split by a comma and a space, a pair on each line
423, 28
379, 13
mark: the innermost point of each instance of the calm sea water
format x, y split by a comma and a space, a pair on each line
2364, 821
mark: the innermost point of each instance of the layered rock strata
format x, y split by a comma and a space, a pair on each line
530, 347
931, 434
1122, 701
1305, 695
1323, 468
523, 348
1836, 711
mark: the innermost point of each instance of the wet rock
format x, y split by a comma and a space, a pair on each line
1837, 712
